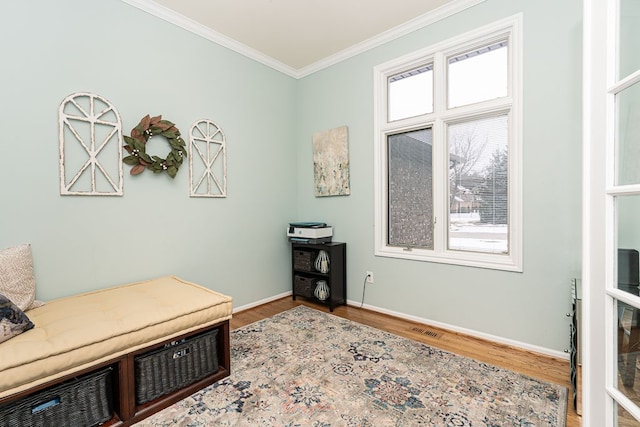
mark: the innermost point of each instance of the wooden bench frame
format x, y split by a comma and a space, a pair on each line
126, 411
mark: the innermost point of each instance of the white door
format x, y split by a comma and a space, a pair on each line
611, 213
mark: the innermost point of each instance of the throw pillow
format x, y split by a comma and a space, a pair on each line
16, 275
13, 321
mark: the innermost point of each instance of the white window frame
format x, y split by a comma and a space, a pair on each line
510, 29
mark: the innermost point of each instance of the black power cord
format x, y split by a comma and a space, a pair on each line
364, 287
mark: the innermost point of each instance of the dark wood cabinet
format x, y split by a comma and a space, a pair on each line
319, 272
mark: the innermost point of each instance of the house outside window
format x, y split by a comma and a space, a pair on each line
448, 165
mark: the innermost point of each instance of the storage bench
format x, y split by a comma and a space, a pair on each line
115, 330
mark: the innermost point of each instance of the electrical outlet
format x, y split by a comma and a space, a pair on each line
369, 276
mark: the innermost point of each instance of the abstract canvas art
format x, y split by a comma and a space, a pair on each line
331, 162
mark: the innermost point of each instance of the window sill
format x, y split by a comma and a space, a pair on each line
506, 262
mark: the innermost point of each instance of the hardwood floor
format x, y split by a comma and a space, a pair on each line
532, 364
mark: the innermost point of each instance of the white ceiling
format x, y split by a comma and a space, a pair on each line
299, 37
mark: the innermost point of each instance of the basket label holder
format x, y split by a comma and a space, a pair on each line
181, 353
46, 405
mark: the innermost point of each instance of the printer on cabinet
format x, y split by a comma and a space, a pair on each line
309, 232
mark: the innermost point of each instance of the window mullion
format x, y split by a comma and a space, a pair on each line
440, 84
440, 193
440, 172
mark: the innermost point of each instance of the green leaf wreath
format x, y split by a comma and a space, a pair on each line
137, 147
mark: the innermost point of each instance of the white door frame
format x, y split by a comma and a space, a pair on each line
595, 399
599, 217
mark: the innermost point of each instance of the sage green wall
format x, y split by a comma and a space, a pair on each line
143, 65
237, 245
528, 307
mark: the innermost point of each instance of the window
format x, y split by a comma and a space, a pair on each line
410, 189
448, 156
416, 85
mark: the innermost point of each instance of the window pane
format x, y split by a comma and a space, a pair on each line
410, 189
627, 212
411, 93
628, 135
629, 41
625, 419
628, 346
478, 75
478, 185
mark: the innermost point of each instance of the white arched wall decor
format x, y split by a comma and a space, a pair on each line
90, 136
207, 160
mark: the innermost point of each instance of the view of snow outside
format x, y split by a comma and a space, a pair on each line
467, 233
478, 158
478, 187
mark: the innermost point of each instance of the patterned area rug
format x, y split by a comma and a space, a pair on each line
304, 367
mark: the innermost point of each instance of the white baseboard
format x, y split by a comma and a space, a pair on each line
470, 332
263, 301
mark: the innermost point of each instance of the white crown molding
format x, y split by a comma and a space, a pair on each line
417, 23
188, 24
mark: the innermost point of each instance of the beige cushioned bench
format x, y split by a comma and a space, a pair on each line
74, 333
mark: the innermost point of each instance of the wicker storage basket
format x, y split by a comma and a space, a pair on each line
303, 286
303, 260
83, 401
175, 365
